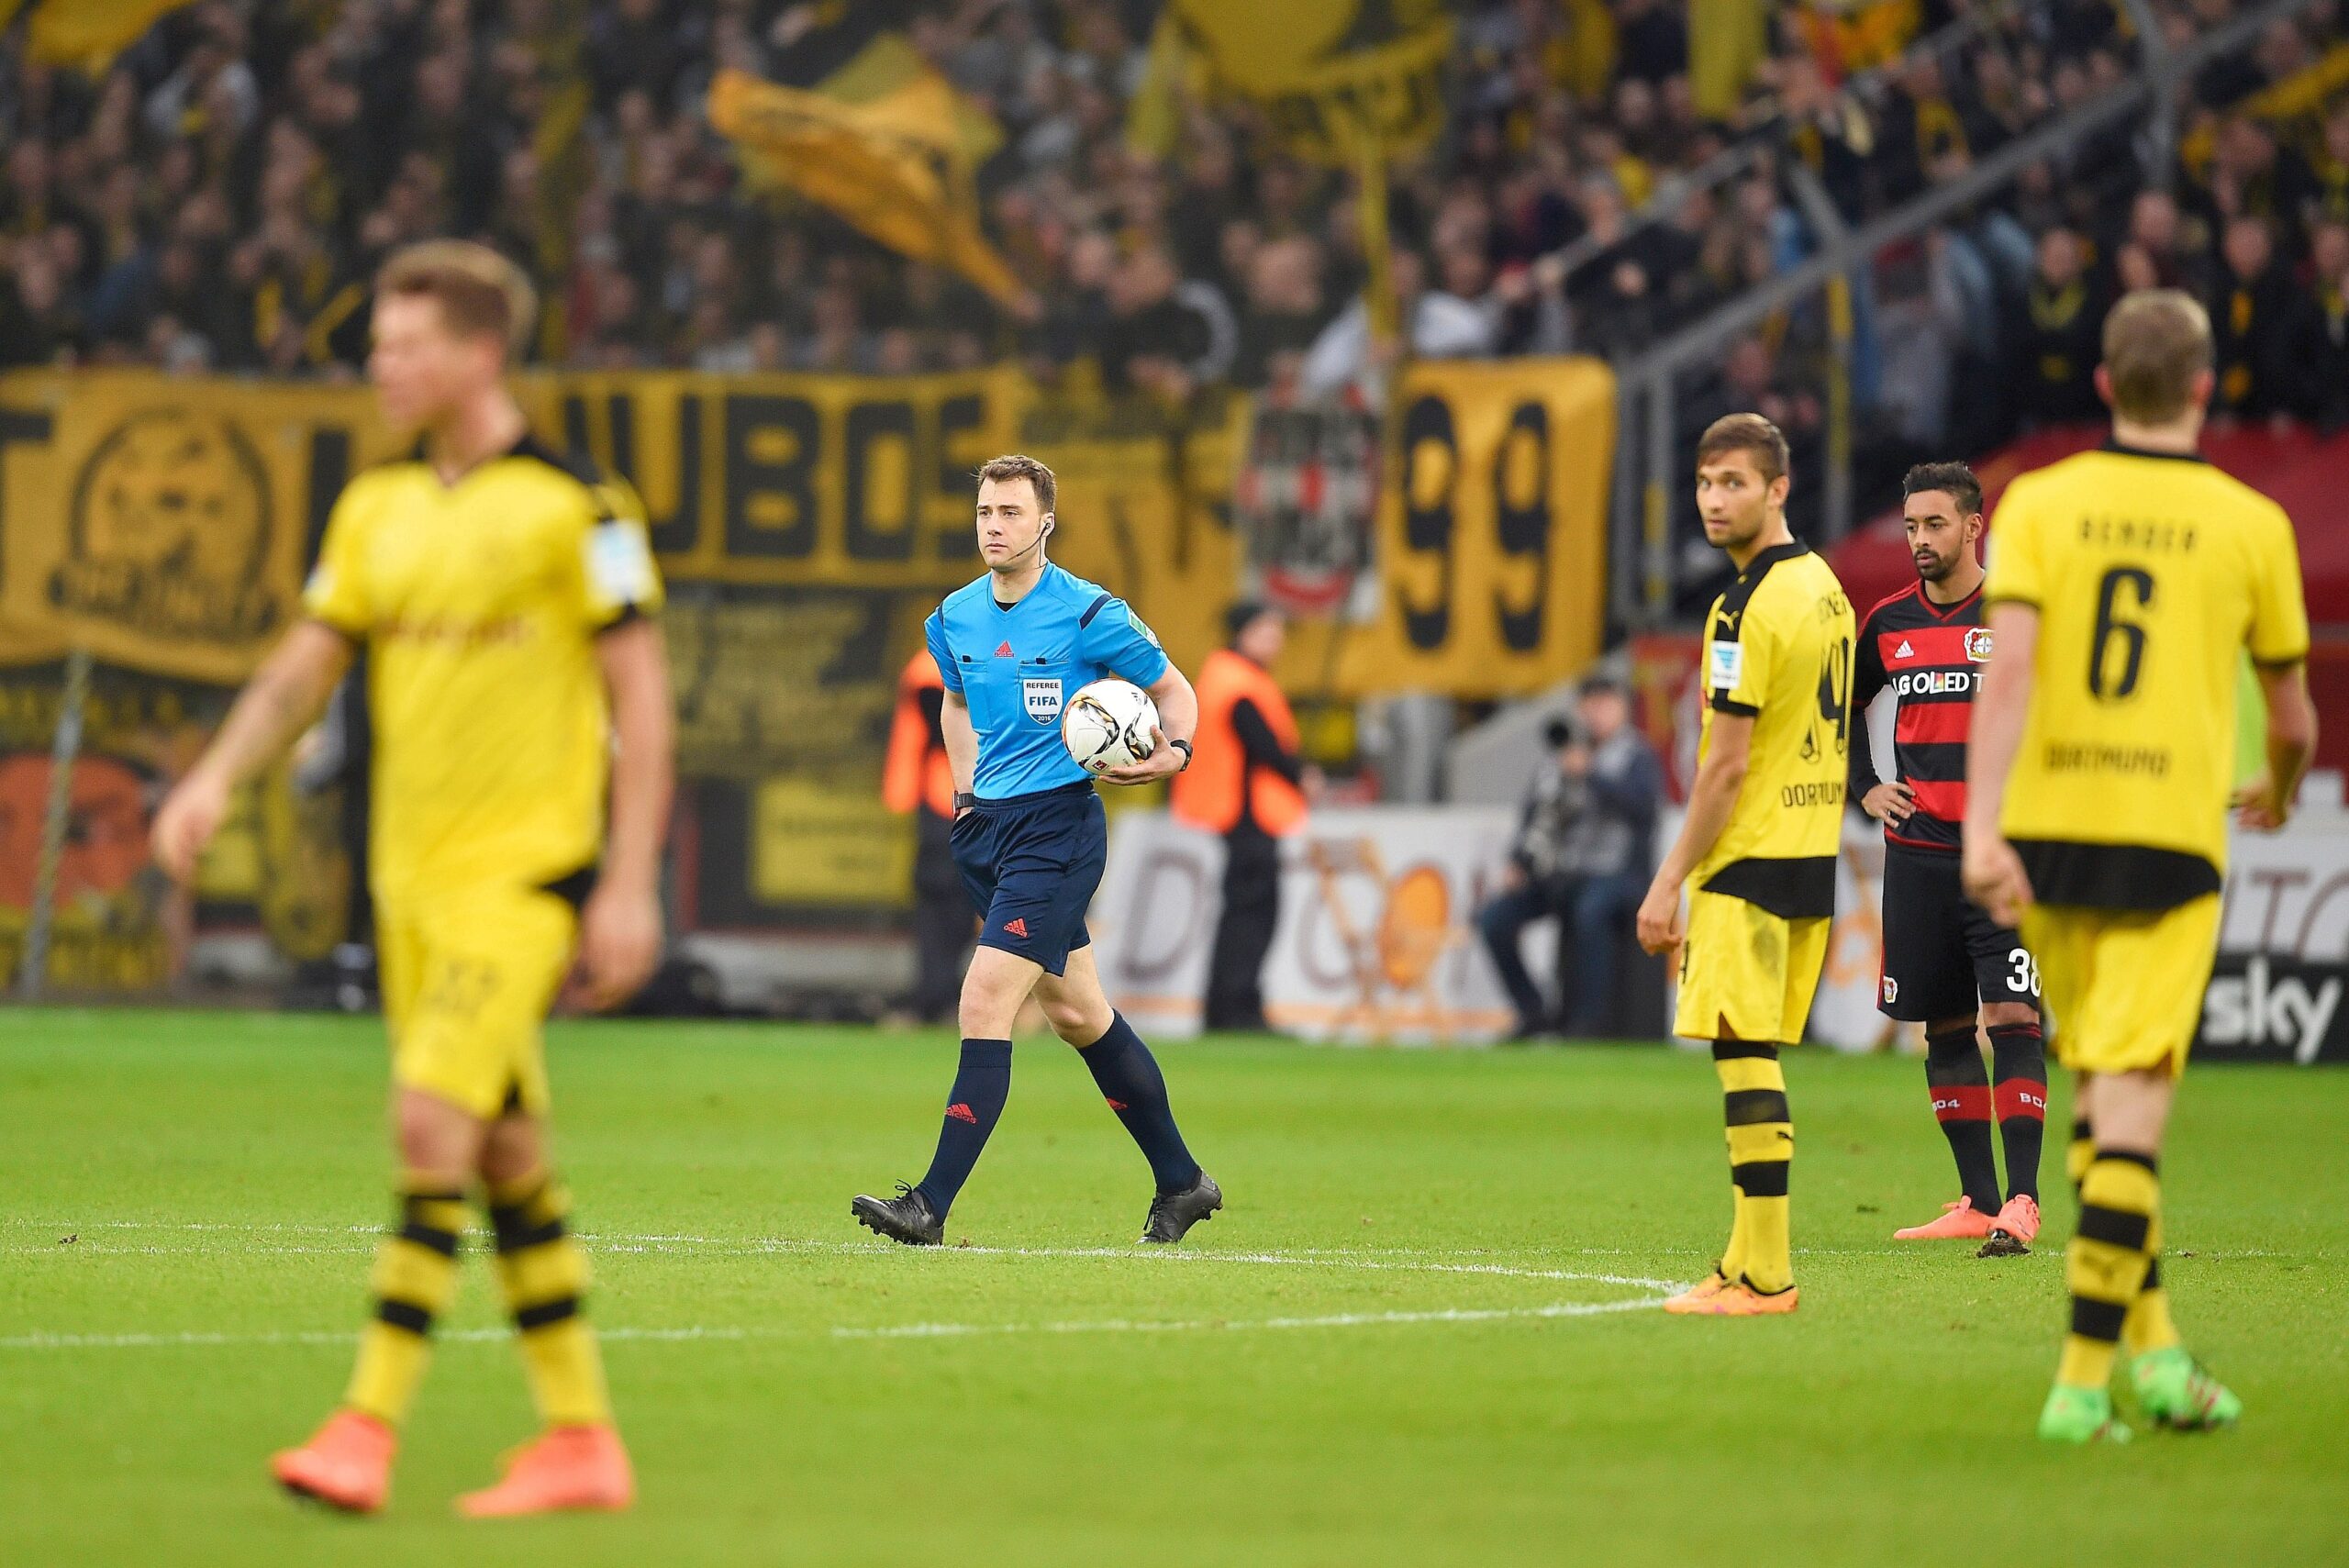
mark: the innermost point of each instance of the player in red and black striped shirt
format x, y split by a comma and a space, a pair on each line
1946, 964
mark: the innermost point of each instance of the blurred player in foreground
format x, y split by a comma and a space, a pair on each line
503, 595
2124, 586
1758, 845
1030, 838
1946, 964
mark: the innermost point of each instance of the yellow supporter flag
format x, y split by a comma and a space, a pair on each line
1330, 75
89, 33
896, 164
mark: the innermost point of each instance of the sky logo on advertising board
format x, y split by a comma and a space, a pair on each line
2260, 1011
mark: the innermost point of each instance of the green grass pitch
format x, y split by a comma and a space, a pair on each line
1421, 1333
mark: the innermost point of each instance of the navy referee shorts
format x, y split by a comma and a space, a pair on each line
1031, 863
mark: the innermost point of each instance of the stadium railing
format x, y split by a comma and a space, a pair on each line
1655, 386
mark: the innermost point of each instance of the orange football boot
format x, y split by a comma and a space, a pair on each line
1741, 1300
2018, 1219
567, 1468
1693, 1299
1960, 1221
347, 1465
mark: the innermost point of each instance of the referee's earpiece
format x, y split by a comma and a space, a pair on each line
1042, 528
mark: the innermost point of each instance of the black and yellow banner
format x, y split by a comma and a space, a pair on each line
806, 524
1491, 544
164, 522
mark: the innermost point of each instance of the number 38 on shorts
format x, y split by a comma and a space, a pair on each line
1943, 956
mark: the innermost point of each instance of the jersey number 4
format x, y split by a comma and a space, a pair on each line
2104, 683
1835, 692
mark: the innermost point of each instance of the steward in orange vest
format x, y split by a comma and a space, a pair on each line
1244, 761
918, 779
917, 772
1247, 783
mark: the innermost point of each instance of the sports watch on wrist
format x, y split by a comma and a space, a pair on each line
964, 800
1185, 746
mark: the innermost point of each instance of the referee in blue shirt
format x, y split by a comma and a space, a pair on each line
1030, 838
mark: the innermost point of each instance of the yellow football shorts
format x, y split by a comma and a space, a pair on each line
467, 979
2124, 987
1746, 973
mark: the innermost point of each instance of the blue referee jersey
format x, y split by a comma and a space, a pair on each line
1017, 667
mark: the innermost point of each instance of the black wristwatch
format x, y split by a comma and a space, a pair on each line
964, 800
1185, 745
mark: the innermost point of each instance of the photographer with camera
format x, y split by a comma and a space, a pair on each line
1581, 855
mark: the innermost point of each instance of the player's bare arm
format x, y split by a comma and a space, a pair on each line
1178, 718
1992, 870
284, 698
619, 930
1711, 800
2264, 804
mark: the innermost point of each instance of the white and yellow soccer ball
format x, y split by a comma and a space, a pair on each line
1108, 725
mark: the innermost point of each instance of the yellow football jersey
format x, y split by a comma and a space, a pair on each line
1778, 650
2151, 573
479, 604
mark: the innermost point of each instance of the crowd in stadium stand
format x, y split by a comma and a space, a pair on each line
218, 198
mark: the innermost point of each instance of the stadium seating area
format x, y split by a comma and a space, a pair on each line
219, 197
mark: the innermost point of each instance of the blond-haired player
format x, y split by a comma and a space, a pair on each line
2125, 585
503, 595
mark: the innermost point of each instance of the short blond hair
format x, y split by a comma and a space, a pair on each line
2156, 341
482, 293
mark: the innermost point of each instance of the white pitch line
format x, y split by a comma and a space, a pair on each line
884, 1332
755, 1246
1167, 1255
1195, 1325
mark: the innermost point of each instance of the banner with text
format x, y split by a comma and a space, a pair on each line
1375, 942
2283, 948
806, 524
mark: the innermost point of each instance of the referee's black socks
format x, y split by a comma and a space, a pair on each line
973, 1105
1129, 1080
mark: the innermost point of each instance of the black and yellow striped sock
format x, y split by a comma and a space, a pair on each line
543, 1272
414, 1279
2148, 1326
1761, 1153
2106, 1266
2079, 1154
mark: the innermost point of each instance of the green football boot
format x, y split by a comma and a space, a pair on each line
2176, 1391
2080, 1416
